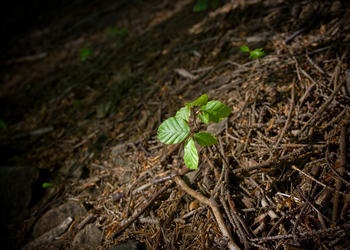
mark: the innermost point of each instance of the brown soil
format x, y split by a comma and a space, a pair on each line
277, 179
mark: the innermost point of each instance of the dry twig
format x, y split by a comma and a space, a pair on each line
124, 225
214, 207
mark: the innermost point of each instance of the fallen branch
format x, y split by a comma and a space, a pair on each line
289, 118
124, 225
305, 235
318, 182
272, 161
214, 207
341, 171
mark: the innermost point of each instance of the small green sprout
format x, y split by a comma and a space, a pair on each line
47, 185
77, 102
3, 124
120, 34
176, 129
253, 54
203, 5
85, 53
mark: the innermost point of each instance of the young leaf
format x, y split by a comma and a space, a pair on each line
216, 110
190, 154
244, 48
3, 124
184, 113
257, 53
205, 139
85, 53
173, 130
201, 5
204, 117
47, 185
200, 101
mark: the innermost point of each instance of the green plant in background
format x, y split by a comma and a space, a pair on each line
77, 102
176, 129
47, 185
85, 53
202, 5
120, 34
3, 124
253, 54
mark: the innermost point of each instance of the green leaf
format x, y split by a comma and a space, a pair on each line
200, 101
215, 110
3, 124
47, 185
184, 113
205, 139
121, 34
204, 117
244, 48
190, 154
173, 130
257, 53
201, 5
112, 30
85, 53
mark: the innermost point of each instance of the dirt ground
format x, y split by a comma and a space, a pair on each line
84, 88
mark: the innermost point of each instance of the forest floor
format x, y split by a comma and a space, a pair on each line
83, 92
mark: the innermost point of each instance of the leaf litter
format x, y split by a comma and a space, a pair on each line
278, 177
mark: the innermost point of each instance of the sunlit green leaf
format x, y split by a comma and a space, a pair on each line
47, 185
205, 139
190, 154
257, 53
204, 117
200, 101
244, 48
173, 130
184, 113
215, 110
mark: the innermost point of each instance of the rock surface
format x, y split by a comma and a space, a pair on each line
15, 194
55, 216
88, 238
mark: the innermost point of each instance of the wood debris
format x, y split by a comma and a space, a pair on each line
277, 179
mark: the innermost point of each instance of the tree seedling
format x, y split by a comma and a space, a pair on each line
253, 54
47, 185
120, 34
202, 5
85, 53
177, 129
3, 124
